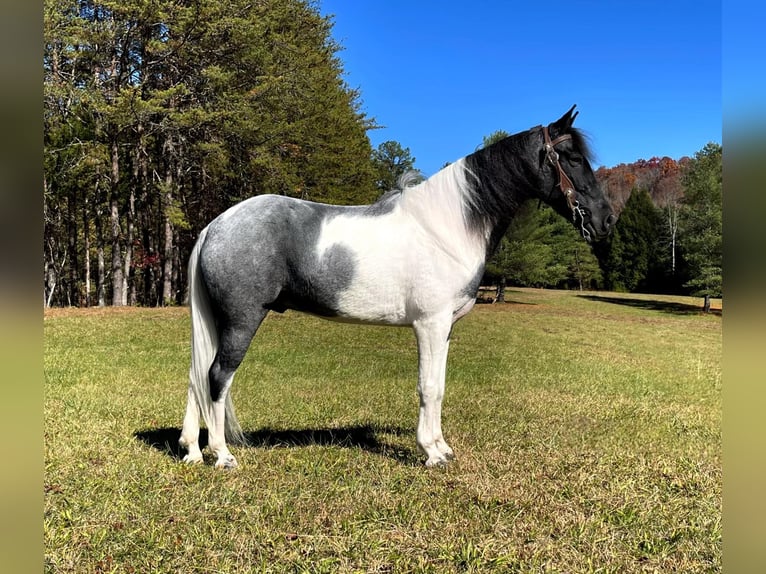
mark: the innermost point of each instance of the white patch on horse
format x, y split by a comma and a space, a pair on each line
411, 261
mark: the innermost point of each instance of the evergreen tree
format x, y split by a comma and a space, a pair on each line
701, 235
573, 263
584, 270
494, 137
522, 257
633, 252
540, 249
160, 115
391, 161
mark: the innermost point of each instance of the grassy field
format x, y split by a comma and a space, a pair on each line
586, 429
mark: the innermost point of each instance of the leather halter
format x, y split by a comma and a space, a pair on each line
551, 155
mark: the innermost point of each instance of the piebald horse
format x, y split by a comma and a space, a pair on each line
415, 258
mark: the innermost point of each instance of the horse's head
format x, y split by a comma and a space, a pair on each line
569, 184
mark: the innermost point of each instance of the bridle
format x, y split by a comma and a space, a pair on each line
564, 184
552, 157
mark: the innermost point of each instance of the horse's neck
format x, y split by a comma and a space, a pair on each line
468, 205
439, 205
503, 176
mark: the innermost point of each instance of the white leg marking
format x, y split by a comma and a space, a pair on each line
432, 334
190, 432
217, 432
441, 444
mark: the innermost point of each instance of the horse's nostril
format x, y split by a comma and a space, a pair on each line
610, 220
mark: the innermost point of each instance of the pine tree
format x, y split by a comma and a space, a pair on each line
540, 249
701, 223
391, 161
633, 251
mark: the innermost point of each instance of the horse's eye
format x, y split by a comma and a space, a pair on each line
575, 159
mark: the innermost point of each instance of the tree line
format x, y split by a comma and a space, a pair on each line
160, 115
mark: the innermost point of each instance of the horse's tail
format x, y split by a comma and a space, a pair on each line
204, 345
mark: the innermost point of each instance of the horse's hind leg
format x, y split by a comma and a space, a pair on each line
217, 429
190, 433
234, 341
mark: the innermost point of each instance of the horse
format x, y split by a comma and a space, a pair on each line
413, 258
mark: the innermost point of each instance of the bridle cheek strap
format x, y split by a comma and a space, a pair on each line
565, 184
551, 155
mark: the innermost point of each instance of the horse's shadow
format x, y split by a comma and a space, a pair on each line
366, 437
654, 305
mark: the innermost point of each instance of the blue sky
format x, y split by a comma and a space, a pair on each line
646, 76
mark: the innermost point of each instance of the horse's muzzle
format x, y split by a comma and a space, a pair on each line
598, 232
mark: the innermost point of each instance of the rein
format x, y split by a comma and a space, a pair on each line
565, 184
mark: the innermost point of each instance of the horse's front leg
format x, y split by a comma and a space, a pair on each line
441, 377
433, 343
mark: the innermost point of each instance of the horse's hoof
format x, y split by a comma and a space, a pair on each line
227, 463
437, 462
193, 459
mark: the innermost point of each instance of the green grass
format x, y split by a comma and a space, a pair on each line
586, 429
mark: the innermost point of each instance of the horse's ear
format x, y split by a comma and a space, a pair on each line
565, 122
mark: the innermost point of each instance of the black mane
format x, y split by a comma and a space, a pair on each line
492, 203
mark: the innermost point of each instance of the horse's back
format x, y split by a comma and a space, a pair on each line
262, 252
